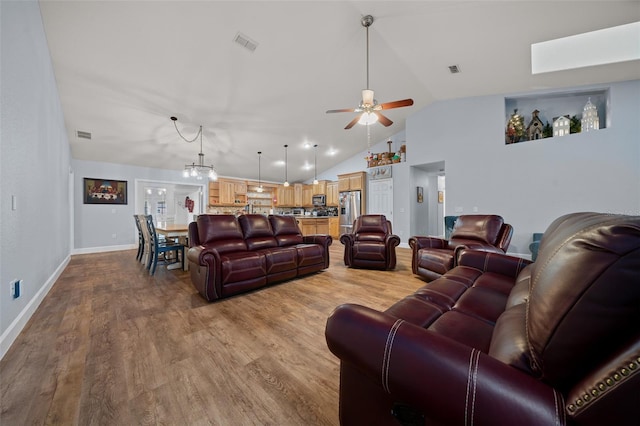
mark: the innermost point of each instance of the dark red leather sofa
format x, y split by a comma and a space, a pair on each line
230, 255
498, 340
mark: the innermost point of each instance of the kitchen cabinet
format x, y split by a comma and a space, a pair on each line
307, 196
297, 195
320, 187
311, 226
352, 181
334, 226
285, 196
332, 194
227, 192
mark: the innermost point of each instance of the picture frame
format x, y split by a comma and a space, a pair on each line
420, 194
440, 197
104, 191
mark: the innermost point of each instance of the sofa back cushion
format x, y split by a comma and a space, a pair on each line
484, 228
286, 230
371, 227
257, 231
221, 232
584, 294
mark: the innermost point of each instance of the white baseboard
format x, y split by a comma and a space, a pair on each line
104, 249
14, 329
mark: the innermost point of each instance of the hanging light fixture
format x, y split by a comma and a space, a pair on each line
315, 164
259, 173
286, 180
200, 169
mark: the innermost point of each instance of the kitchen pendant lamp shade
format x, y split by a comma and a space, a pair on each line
200, 169
286, 180
259, 173
315, 164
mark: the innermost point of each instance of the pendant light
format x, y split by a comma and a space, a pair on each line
259, 173
315, 164
286, 180
200, 169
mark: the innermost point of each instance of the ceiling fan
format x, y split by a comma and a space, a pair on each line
369, 108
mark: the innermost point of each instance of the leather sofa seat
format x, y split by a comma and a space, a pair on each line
433, 257
501, 340
230, 255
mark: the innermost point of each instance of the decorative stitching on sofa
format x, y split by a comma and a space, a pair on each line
386, 359
558, 401
472, 382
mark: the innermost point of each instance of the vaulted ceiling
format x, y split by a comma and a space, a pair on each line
124, 67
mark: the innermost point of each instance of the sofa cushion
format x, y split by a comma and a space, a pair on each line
257, 231
585, 278
485, 228
242, 266
221, 232
285, 230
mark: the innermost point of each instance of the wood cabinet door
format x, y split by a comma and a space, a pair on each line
343, 184
356, 181
297, 195
332, 194
320, 188
227, 192
334, 227
322, 226
307, 196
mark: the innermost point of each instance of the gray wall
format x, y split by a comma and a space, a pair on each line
34, 168
530, 183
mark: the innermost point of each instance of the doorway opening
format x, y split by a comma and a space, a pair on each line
170, 202
427, 211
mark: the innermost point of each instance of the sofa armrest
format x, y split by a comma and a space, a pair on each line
488, 261
417, 243
448, 382
322, 239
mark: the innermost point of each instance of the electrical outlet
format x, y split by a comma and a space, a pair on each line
16, 288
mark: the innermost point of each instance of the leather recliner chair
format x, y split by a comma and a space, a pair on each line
499, 340
434, 256
372, 244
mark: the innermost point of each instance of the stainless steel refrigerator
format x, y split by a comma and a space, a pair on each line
349, 210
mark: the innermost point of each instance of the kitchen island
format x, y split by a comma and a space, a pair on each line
318, 225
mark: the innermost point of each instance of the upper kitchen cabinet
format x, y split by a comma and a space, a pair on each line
227, 192
285, 196
320, 187
298, 198
332, 194
307, 195
351, 181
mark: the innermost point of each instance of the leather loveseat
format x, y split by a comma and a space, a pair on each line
433, 256
230, 255
498, 340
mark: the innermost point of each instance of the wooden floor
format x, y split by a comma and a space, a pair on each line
111, 345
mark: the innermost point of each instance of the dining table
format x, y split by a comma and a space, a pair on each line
174, 230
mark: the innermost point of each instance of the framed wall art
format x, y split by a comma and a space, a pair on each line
420, 194
105, 191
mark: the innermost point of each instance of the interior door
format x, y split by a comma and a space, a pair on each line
380, 198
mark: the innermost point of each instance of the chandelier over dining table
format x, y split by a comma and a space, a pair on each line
199, 169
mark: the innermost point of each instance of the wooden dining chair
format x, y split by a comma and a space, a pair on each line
157, 248
140, 253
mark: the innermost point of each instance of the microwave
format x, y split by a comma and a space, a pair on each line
319, 200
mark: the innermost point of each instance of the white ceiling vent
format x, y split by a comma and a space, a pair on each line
83, 135
453, 69
245, 42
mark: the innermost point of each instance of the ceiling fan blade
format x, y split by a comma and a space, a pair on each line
341, 110
397, 104
383, 120
353, 122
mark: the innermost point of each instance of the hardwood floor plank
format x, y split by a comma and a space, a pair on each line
111, 344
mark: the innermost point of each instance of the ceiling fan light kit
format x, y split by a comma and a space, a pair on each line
369, 108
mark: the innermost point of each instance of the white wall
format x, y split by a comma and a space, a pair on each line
34, 168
